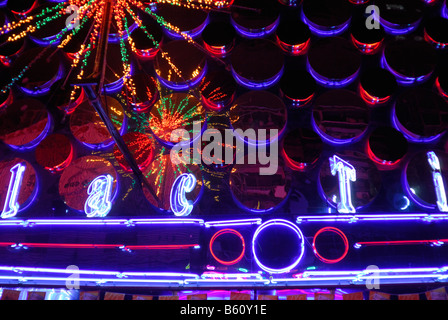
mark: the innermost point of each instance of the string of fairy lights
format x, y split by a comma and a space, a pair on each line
124, 15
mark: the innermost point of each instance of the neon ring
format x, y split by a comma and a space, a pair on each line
339, 233
227, 231
284, 223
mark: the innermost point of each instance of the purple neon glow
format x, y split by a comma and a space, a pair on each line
401, 79
409, 135
257, 33
191, 33
52, 40
183, 86
283, 223
31, 145
323, 31
373, 217
444, 10
395, 29
410, 193
331, 83
45, 88
257, 85
228, 223
334, 141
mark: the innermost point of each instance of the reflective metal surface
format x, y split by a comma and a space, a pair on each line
87, 126
259, 110
28, 187
260, 193
189, 63
301, 148
340, 116
175, 111
24, 123
77, 177
55, 152
141, 147
418, 178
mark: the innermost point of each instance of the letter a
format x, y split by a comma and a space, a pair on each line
373, 20
98, 204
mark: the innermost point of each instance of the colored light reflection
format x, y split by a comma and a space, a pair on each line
379, 161
31, 145
402, 79
439, 88
45, 88
367, 48
294, 49
190, 34
257, 85
409, 135
439, 185
436, 44
395, 29
182, 86
321, 31
25, 245
256, 33
331, 83
371, 99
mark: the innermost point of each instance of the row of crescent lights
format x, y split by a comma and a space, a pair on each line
267, 31
100, 195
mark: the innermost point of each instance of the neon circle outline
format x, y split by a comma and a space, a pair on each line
284, 223
228, 231
339, 233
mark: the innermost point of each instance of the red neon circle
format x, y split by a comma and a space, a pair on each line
220, 233
339, 233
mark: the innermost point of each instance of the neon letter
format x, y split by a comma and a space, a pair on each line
98, 204
434, 162
184, 184
11, 206
346, 173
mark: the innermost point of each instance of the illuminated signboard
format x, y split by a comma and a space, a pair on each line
315, 155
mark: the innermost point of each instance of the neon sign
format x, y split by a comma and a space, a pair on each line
12, 206
439, 186
184, 184
346, 173
99, 203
